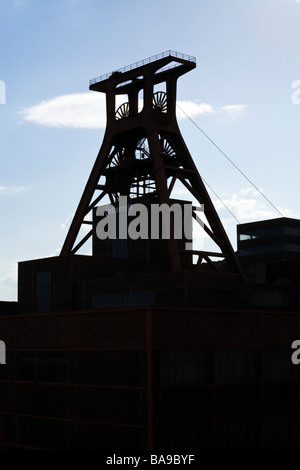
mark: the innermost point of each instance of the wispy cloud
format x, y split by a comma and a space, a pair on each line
88, 111
8, 190
8, 282
12, 274
248, 206
234, 111
193, 109
66, 223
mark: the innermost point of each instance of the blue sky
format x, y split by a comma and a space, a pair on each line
51, 126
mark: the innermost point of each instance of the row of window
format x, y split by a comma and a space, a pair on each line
171, 368
229, 367
101, 301
282, 432
272, 433
123, 299
34, 432
269, 232
269, 248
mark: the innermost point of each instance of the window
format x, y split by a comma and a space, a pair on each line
235, 435
123, 299
42, 433
119, 249
43, 291
277, 366
119, 246
6, 426
292, 231
234, 367
185, 437
246, 236
182, 368
262, 233
277, 432
42, 366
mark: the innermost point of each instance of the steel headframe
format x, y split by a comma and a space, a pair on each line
144, 148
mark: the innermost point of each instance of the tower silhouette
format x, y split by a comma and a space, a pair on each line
143, 153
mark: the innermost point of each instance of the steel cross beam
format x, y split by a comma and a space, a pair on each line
166, 154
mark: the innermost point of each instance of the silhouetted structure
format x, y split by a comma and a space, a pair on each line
139, 346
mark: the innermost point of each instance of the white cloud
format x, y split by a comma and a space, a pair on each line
246, 209
193, 109
66, 223
248, 206
8, 190
234, 111
11, 275
8, 282
56, 252
250, 191
88, 111
180, 192
78, 110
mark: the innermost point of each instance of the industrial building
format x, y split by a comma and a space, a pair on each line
148, 343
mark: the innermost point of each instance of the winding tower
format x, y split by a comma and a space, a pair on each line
144, 154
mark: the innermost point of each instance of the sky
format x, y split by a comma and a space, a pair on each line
244, 95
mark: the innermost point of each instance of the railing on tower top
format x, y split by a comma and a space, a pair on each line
144, 62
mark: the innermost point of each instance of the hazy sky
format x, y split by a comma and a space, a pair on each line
244, 93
